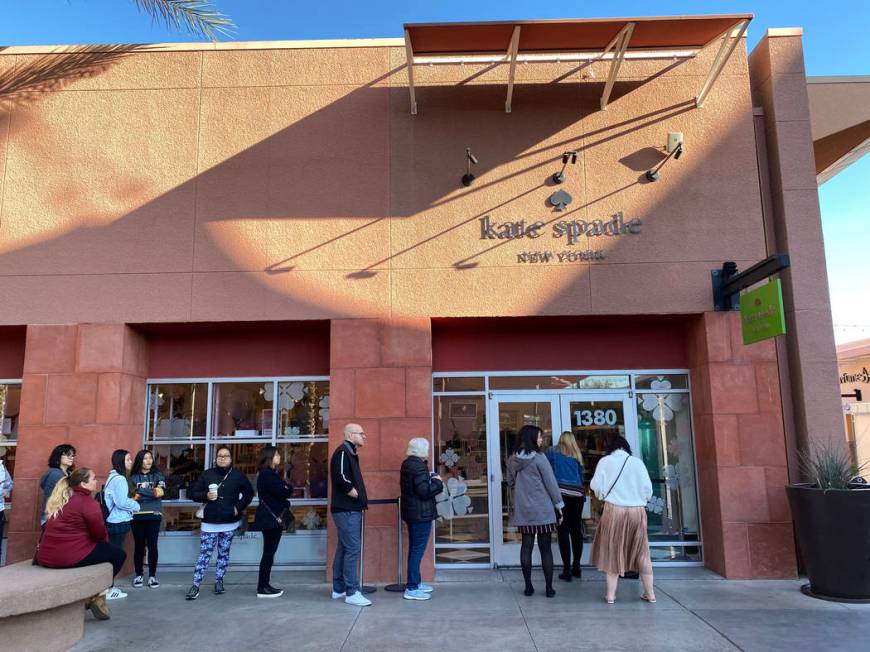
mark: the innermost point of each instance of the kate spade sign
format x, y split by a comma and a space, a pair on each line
564, 231
569, 230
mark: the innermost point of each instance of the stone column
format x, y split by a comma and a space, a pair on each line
741, 452
83, 384
381, 377
779, 86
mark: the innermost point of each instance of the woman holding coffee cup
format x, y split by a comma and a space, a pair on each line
226, 493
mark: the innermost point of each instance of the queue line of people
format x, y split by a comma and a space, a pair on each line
548, 492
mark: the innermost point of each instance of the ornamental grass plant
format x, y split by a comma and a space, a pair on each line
829, 466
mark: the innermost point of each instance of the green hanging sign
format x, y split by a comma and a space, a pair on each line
761, 313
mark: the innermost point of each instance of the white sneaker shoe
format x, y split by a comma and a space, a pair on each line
115, 594
336, 596
357, 600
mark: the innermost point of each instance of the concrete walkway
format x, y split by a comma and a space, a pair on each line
479, 611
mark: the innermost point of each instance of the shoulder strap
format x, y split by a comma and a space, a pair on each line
617, 479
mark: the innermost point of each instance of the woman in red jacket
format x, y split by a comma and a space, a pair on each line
75, 533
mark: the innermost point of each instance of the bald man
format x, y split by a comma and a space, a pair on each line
348, 502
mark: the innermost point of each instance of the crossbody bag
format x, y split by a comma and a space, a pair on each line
200, 513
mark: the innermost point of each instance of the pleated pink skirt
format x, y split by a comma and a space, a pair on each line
621, 542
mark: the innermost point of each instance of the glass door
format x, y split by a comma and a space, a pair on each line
508, 414
592, 418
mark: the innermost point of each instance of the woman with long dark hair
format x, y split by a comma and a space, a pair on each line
118, 494
274, 494
75, 534
150, 485
61, 463
537, 504
622, 483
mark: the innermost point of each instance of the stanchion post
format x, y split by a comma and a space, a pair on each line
364, 589
399, 586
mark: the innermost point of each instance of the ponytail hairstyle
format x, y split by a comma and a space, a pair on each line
63, 491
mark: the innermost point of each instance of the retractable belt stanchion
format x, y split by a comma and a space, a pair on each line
390, 587
363, 588
399, 586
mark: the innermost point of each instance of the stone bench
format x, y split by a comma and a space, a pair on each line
43, 608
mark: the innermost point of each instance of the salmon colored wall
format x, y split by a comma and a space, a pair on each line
83, 384
286, 184
559, 343
741, 452
12, 351
215, 350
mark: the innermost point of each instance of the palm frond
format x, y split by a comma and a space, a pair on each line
196, 16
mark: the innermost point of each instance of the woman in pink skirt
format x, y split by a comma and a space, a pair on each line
622, 483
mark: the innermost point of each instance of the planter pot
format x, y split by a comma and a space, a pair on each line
833, 530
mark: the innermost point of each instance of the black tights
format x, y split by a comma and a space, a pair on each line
570, 531
545, 546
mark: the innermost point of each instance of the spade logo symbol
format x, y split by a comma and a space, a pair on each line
560, 199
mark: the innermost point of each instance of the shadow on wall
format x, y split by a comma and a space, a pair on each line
318, 153
37, 75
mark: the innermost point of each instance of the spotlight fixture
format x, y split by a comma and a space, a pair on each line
567, 157
675, 151
470, 159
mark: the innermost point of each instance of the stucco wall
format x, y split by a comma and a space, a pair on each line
247, 184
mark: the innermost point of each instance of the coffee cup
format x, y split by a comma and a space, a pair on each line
212, 488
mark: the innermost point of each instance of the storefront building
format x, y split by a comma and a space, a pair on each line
259, 243
854, 359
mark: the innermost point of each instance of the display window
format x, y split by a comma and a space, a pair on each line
187, 419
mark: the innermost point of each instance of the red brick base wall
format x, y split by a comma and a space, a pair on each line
381, 378
741, 452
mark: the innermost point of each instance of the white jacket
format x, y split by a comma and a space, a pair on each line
633, 489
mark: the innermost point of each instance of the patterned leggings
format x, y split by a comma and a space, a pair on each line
207, 541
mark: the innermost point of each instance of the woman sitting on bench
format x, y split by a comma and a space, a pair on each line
75, 533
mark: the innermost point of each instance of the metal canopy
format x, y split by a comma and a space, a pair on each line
594, 38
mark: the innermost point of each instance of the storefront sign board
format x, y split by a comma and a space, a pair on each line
761, 313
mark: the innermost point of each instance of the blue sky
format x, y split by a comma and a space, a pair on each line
835, 43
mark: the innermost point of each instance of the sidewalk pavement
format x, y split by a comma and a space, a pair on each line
480, 611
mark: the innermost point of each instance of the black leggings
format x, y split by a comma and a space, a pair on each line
145, 533
271, 539
105, 552
545, 546
570, 531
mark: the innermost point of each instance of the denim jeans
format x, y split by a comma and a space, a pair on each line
418, 537
117, 533
345, 573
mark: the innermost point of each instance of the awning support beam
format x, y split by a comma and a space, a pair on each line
409, 56
730, 39
620, 42
512, 53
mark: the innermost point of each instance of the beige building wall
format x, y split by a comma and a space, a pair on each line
278, 182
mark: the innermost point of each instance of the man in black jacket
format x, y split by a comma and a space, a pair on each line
348, 502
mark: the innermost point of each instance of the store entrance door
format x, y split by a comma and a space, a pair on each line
590, 416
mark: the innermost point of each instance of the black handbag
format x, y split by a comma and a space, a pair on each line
286, 521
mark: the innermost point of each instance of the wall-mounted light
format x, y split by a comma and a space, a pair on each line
674, 149
567, 157
470, 159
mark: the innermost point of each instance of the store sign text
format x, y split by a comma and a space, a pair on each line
862, 377
567, 231
571, 230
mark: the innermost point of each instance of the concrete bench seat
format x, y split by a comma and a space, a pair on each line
43, 608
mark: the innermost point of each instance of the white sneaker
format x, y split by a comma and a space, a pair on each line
357, 600
336, 596
115, 594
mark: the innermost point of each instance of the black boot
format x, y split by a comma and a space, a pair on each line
575, 571
218, 587
565, 574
